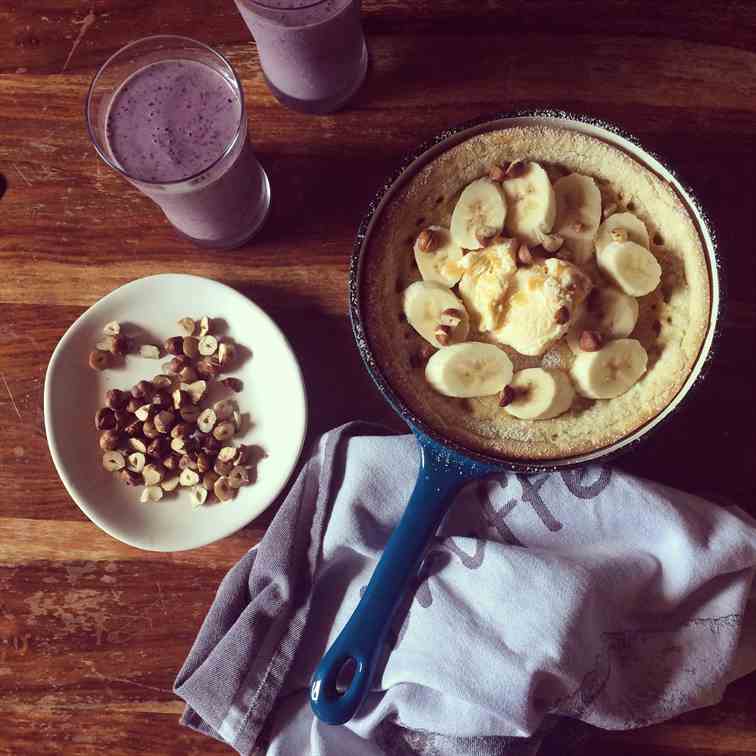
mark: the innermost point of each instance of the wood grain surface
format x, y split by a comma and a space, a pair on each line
92, 632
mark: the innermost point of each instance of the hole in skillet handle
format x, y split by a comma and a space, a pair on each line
345, 675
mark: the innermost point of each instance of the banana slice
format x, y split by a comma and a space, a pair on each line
540, 394
578, 203
437, 256
485, 281
432, 309
610, 371
479, 214
531, 207
615, 313
632, 267
620, 225
468, 370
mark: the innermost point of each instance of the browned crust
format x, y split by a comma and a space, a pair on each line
681, 304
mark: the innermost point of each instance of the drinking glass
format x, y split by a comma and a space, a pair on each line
167, 113
312, 52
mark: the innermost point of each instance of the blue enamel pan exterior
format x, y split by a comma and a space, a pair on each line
445, 466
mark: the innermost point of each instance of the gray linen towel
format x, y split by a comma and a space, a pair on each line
587, 594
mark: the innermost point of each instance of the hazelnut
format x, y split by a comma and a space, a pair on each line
178, 363
506, 396
226, 355
134, 428
443, 335
170, 484
130, 478
237, 418
180, 429
190, 413
198, 496
179, 444
158, 448
562, 315
113, 328
204, 462
171, 462
188, 374
123, 419
205, 326
208, 345
243, 454
234, 384
196, 390
110, 440
209, 478
133, 405
137, 444
180, 399
223, 468
150, 351
523, 255
190, 347
164, 421
136, 462
188, 477
187, 325
186, 462
427, 240
142, 390
118, 345
209, 367
210, 445
151, 493
497, 173
174, 345
223, 490
224, 431
146, 411
99, 360
206, 421
149, 430
152, 474
113, 461
590, 341
224, 409
238, 477
116, 399
162, 382
105, 419
161, 398
227, 454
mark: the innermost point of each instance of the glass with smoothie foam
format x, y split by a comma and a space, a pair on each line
168, 114
312, 52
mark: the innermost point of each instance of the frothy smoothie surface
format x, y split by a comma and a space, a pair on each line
172, 119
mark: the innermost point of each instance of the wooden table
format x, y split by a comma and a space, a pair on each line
92, 632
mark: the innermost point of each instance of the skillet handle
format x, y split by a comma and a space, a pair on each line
442, 474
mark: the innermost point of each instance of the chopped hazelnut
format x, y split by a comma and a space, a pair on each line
99, 360
105, 419
427, 240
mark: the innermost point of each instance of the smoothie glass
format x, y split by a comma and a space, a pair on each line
168, 114
312, 52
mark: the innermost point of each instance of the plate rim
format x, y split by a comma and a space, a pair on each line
52, 445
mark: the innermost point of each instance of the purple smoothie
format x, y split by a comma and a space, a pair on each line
312, 52
177, 129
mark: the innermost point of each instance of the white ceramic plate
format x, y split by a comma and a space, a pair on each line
273, 395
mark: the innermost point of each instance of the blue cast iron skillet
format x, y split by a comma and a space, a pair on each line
446, 466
